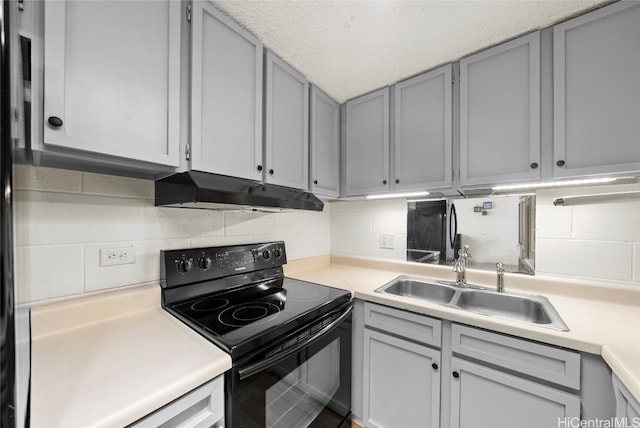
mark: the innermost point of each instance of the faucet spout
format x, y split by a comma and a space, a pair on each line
500, 272
460, 267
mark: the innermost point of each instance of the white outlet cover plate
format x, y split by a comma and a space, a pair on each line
387, 241
117, 256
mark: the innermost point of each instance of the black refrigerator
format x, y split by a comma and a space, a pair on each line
13, 399
432, 232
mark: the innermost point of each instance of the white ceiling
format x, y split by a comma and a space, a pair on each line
348, 48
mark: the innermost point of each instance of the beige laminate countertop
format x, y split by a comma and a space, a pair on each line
602, 320
109, 359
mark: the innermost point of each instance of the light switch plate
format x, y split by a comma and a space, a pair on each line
117, 256
387, 241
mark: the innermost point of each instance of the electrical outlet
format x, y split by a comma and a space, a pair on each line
117, 256
386, 241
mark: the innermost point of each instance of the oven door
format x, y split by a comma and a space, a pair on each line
303, 380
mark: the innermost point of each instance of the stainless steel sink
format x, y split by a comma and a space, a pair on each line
431, 291
531, 309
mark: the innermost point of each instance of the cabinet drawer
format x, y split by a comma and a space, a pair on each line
202, 407
541, 361
420, 328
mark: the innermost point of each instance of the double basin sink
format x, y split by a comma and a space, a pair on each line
532, 309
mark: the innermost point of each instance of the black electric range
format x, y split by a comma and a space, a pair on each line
238, 298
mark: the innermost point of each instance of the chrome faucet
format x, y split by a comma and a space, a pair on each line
460, 267
500, 272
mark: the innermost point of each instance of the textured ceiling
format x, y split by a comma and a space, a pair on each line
348, 48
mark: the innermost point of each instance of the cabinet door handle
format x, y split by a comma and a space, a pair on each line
315, 182
271, 171
456, 375
384, 181
560, 163
397, 181
55, 121
534, 165
435, 366
259, 167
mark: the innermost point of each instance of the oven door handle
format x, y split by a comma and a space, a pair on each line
248, 371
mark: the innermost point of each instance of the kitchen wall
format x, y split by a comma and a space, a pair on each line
63, 218
599, 242
357, 226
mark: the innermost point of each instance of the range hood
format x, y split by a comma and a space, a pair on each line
203, 190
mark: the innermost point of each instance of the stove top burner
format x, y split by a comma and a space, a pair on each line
238, 297
240, 315
209, 304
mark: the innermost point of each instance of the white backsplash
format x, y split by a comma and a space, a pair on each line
595, 241
598, 242
63, 219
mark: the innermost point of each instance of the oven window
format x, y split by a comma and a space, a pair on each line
302, 393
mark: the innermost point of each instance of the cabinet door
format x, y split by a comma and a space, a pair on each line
325, 144
366, 154
627, 407
596, 92
483, 397
113, 92
226, 96
422, 144
401, 386
287, 125
500, 113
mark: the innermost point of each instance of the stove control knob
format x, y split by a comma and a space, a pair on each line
277, 253
204, 262
266, 255
185, 265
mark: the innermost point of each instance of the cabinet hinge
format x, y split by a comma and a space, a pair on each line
21, 5
189, 12
187, 152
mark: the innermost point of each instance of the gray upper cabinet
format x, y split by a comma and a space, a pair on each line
422, 138
596, 92
286, 125
366, 148
500, 113
226, 96
324, 142
113, 93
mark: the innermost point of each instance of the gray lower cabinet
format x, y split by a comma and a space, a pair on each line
500, 113
201, 408
111, 98
226, 95
627, 406
420, 371
485, 397
502, 381
422, 143
401, 382
596, 92
324, 143
365, 156
286, 139
401, 370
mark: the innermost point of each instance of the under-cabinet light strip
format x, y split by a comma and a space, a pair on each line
521, 186
564, 201
397, 195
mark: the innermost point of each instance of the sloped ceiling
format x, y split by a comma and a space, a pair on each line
348, 48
